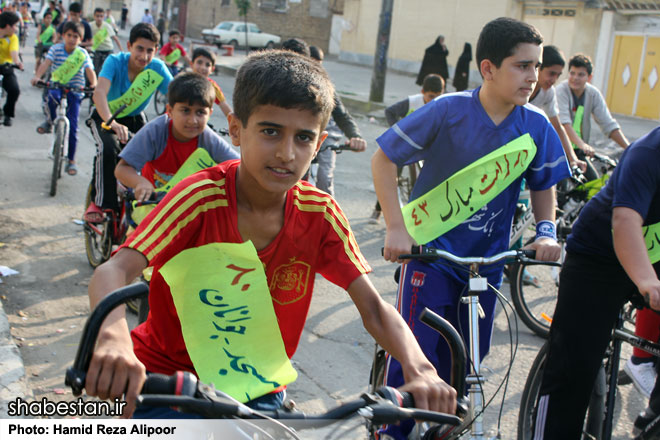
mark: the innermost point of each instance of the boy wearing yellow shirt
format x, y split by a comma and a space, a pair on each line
9, 55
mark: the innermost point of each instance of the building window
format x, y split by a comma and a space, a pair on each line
225, 3
116, 5
274, 5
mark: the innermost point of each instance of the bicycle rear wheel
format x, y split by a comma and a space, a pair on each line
406, 181
160, 101
98, 240
595, 415
58, 153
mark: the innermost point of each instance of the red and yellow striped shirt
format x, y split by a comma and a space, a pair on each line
315, 238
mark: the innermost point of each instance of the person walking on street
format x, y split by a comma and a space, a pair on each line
161, 27
435, 61
124, 16
462, 72
147, 17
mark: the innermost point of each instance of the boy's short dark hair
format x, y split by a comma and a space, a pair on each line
174, 32
284, 79
73, 26
316, 53
581, 60
75, 7
191, 88
552, 56
297, 45
48, 12
146, 31
97, 10
500, 37
433, 83
201, 52
8, 18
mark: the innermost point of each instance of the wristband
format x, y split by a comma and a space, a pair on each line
546, 228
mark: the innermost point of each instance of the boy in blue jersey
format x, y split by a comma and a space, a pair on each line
129, 78
609, 257
70, 54
450, 133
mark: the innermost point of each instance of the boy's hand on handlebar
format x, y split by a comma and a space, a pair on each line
34, 80
115, 371
546, 249
121, 131
650, 290
587, 149
397, 242
582, 165
432, 393
143, 190
357, 144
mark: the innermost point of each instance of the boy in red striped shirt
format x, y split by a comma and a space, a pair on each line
282, 103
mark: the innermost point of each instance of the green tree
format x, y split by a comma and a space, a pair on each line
243, 8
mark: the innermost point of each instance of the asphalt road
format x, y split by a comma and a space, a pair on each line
47, 302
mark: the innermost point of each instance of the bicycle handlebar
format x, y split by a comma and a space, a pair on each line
605, 159
429, 253
338, 148
106, 125
56, 85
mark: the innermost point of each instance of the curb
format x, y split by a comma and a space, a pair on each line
13, 382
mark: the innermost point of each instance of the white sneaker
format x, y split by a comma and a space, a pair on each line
643, 376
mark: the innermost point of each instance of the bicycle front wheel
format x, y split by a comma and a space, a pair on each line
160, 101
98, 240
58, 155
406, 181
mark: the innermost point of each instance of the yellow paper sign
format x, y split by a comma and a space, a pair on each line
99, 38
173, 57
69, 67
652, 239
468, 190
199, 160
227, 319
142, 87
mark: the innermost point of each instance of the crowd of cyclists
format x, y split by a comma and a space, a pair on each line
284, 106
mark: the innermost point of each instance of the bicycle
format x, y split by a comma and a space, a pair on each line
406, 178
183, 391
535, 305
476, 285
61, 129
160, 99
600, 415
335, 146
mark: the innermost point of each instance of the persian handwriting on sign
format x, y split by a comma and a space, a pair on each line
47, 34
199, 160
173, 57
69, 67
467, 191
227, 319
142, 87
99, 38
652, 240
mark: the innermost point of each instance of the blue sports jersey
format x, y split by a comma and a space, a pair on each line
115, 69
454, 131
634, 184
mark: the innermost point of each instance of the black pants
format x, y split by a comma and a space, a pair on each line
104, 191
10, 84
592, 290
99, 59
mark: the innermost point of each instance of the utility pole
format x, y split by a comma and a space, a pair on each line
380, 58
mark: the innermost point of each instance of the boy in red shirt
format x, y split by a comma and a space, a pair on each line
295, 229
172, 51
203, 62
162, 146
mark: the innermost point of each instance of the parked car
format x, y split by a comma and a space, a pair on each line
233, 33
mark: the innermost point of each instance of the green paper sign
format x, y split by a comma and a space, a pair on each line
467, 191
99, 38
577, 123
47, 35
69, 67
227, 319
199, 160
173, 57
144, 85
652, 240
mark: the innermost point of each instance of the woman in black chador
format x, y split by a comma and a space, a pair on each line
435, 60
462, 73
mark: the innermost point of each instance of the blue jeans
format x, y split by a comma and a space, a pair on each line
72, 110
269, 402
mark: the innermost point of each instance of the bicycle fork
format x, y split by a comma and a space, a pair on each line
475, 380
